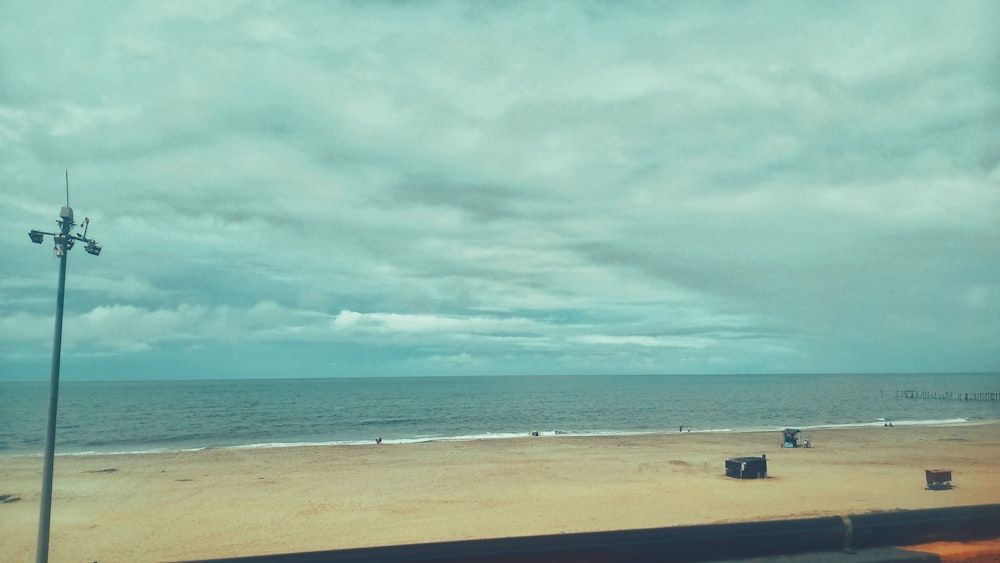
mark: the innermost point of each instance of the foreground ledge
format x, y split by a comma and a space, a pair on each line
858, 538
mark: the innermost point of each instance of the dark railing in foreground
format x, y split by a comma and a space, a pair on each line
689, 543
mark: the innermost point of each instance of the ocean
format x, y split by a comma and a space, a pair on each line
154, 416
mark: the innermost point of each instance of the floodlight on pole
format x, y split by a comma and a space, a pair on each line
64, 241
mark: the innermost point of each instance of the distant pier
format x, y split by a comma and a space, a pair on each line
946, 395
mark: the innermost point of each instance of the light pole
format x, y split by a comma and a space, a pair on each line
64, 241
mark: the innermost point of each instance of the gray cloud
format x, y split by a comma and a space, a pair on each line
384, 188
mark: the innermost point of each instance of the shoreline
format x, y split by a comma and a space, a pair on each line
542, 434
231, 502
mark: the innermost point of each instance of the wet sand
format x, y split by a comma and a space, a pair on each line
231, 502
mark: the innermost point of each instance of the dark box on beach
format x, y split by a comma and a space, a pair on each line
938, 478
747, 467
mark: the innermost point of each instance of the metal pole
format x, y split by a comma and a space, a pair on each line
45, 516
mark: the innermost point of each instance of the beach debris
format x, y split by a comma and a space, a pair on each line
9, 498
790, 437
938, 479
747, 467
107, 470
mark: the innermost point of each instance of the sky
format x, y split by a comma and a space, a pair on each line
335, 189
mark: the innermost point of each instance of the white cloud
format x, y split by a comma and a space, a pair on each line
647, 341
432, 325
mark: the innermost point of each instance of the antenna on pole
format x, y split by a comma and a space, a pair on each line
67, 212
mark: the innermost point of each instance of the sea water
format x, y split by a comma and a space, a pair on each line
149, 416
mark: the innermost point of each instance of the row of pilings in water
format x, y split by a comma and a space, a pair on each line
909, 394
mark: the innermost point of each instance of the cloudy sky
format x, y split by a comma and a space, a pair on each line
301, 189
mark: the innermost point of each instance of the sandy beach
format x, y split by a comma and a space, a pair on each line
230, 502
